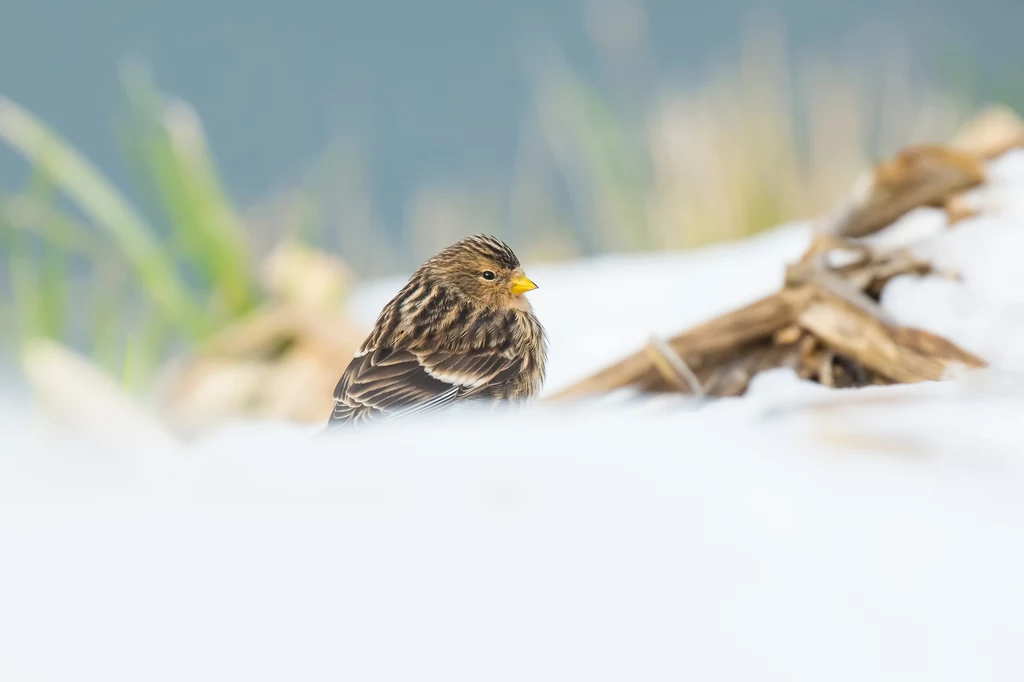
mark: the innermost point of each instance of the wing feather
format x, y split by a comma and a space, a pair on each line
395, 382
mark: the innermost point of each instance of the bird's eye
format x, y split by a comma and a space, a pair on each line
487, 274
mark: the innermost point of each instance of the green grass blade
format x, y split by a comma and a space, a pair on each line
172, 145
52, 313
24, 286
53, 293
98, 199
106, 322
126, 369
52, 226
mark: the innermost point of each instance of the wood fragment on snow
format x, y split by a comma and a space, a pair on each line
921, 175
825, 323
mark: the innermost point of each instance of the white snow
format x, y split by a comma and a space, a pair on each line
793, 534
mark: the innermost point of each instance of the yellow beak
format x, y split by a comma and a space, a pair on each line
521, 284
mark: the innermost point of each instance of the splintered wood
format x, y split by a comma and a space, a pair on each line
826, 323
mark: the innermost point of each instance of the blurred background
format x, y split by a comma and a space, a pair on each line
190, 189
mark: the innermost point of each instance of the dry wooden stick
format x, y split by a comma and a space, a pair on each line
750, 323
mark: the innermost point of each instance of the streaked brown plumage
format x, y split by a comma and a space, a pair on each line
460, 329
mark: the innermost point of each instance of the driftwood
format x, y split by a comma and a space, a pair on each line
924, 175
823, 336
826, 323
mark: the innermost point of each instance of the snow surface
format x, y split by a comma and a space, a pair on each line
793, 534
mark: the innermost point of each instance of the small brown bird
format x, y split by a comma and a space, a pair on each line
459, 330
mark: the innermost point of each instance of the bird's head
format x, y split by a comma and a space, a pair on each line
485, 270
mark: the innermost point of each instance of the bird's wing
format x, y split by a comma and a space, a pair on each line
395, 383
